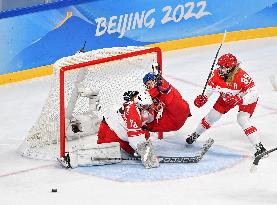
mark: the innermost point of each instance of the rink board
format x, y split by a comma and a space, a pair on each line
218, 158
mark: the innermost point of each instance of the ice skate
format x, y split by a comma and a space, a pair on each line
260, 150
192, 138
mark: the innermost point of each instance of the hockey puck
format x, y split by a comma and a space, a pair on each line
54, 190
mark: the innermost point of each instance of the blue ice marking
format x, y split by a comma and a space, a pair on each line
217, 158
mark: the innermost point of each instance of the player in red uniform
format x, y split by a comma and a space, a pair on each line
236, 88
171, 109
124, 125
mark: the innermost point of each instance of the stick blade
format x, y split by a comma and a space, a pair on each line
253, 168
273, 81
207, 145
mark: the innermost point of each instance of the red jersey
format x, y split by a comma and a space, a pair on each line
164, 93
241, 84
173, 109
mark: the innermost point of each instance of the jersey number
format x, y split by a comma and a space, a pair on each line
246, 79
133, 124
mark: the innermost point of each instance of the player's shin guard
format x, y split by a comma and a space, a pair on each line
252, 134
202, 127
254, 138
205, 124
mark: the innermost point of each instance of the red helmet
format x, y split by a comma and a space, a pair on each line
227, 60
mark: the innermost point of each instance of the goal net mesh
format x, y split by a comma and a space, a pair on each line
111, 78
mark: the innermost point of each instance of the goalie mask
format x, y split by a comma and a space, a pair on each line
143, 100
227, 63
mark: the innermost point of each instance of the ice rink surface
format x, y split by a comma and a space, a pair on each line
28, 181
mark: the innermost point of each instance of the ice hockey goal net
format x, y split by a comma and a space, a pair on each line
111, 70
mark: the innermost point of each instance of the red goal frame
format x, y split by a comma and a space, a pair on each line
64, 69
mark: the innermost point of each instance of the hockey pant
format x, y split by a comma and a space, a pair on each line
106, 135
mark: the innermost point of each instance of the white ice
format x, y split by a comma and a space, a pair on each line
27, 181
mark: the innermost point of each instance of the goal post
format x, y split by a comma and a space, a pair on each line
64, 69
110, 71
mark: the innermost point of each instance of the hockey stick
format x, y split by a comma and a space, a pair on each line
65, 161
258, 158
212, 68
83, 48
273, 81
163, 159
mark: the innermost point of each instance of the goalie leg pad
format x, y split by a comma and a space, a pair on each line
89, 155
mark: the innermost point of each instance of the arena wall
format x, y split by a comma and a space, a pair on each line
33, 38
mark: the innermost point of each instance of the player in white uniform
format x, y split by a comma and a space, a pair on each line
236, 88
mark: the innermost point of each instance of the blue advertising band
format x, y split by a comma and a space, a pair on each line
41, 7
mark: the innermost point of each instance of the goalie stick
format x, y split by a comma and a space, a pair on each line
258, 158
164, 159
212, 68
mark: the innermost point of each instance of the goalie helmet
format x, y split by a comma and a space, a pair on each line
128, 95
143, 100
227, 63
149, 76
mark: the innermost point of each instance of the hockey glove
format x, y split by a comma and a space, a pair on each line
200, 100
147, 154
232, 101
159, 80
